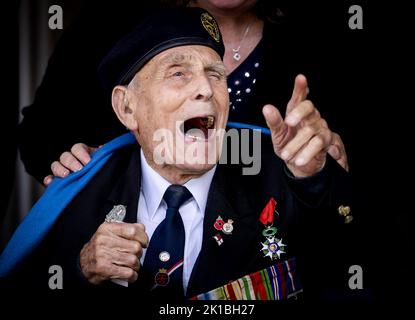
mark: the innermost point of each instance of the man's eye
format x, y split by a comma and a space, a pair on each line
215, 75
178, 74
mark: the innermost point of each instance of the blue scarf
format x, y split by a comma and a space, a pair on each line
46, 211
57, 196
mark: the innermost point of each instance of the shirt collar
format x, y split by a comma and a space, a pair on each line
153, 186
199, 188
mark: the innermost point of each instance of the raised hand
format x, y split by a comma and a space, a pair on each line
303, 138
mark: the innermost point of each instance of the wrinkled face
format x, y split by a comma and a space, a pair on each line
180, 101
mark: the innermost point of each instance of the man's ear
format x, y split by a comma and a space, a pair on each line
123, 109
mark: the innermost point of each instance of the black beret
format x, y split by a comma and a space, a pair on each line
160, 31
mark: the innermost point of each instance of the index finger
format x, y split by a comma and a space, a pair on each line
300, 92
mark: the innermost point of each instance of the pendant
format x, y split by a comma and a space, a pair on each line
273, 248
237, 56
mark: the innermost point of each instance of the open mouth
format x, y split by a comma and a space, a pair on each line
198, 128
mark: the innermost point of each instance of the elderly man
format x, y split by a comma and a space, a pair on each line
191, 226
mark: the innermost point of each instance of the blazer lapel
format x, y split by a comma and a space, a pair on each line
127, 190
239, 252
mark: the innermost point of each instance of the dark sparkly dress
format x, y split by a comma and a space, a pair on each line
241, 85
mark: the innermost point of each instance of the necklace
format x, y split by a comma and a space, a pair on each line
236, 54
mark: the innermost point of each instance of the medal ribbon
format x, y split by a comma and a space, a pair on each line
267, 215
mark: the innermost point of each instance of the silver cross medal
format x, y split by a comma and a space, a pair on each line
117, 214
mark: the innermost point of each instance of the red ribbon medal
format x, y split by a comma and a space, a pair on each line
273, 246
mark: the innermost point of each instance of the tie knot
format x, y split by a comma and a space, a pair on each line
176, 195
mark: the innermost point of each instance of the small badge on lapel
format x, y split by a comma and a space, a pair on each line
164, 256
162, 278
272, 246
225, 227
345, 212
218, 239
228, 227
221, 225
218, 225
117, 214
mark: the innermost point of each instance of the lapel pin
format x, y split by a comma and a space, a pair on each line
228, 227
218, 238
348, 219
218, 225
164, 256
117, 214
162, 278
345, 212
221, 225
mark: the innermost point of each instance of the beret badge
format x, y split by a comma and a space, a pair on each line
210, 25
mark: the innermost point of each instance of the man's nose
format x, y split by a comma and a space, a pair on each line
203, 88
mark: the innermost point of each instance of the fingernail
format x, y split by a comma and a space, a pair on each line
284, 155
79, 168
300, 161
65, 173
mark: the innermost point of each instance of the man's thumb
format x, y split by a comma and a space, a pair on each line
272, 116
274, 120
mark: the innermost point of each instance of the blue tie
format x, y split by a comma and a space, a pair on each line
165, 253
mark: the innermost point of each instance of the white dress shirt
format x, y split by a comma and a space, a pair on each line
152, 210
